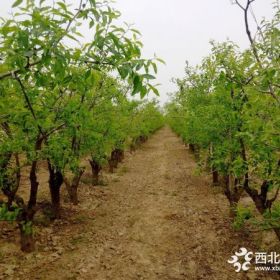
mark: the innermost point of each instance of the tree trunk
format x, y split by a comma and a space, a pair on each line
55, 182
74, 195
192, 148
119, 155
233, 192
144, 139
215, 177
113, 161
72, 187
111, 165
33, 176
95, 168
277, 232
72, 192
10, 181
34, 185
262, 204
232, 209
25, 220
27, 242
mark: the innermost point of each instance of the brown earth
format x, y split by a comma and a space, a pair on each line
155, 219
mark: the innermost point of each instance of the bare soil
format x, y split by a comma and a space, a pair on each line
154, 219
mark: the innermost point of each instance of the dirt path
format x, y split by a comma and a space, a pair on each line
155, 220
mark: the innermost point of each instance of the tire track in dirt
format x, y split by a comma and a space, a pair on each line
159, 221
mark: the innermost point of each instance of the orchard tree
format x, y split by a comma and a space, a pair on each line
50, 77
228, 109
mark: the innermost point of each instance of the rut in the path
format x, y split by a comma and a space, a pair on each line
158, 220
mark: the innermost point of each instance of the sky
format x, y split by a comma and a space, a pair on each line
180, 30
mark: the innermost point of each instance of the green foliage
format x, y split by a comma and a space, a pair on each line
228, 106
61, 91
242, 215
272, 217
27, 228
6, 215
63, 98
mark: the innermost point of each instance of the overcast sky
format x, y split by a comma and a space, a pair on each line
180, 30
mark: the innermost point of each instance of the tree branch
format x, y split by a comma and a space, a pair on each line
29, 105
252, 43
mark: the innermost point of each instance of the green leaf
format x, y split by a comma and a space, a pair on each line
154, 89
137, 84
17, 3
91, 24
87, 73
93, 2
155, 67
62, 5
143, 92
123, 71
148, 76
161, 60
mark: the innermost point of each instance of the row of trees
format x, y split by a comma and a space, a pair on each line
228, 110
63, 100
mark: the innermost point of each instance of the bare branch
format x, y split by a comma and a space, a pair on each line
252, 43
241, 7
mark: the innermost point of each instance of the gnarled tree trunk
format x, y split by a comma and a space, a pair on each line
72, 186
27, 242
113, 161
55, 182
95, 168
26, 218
119, 155
233, 191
